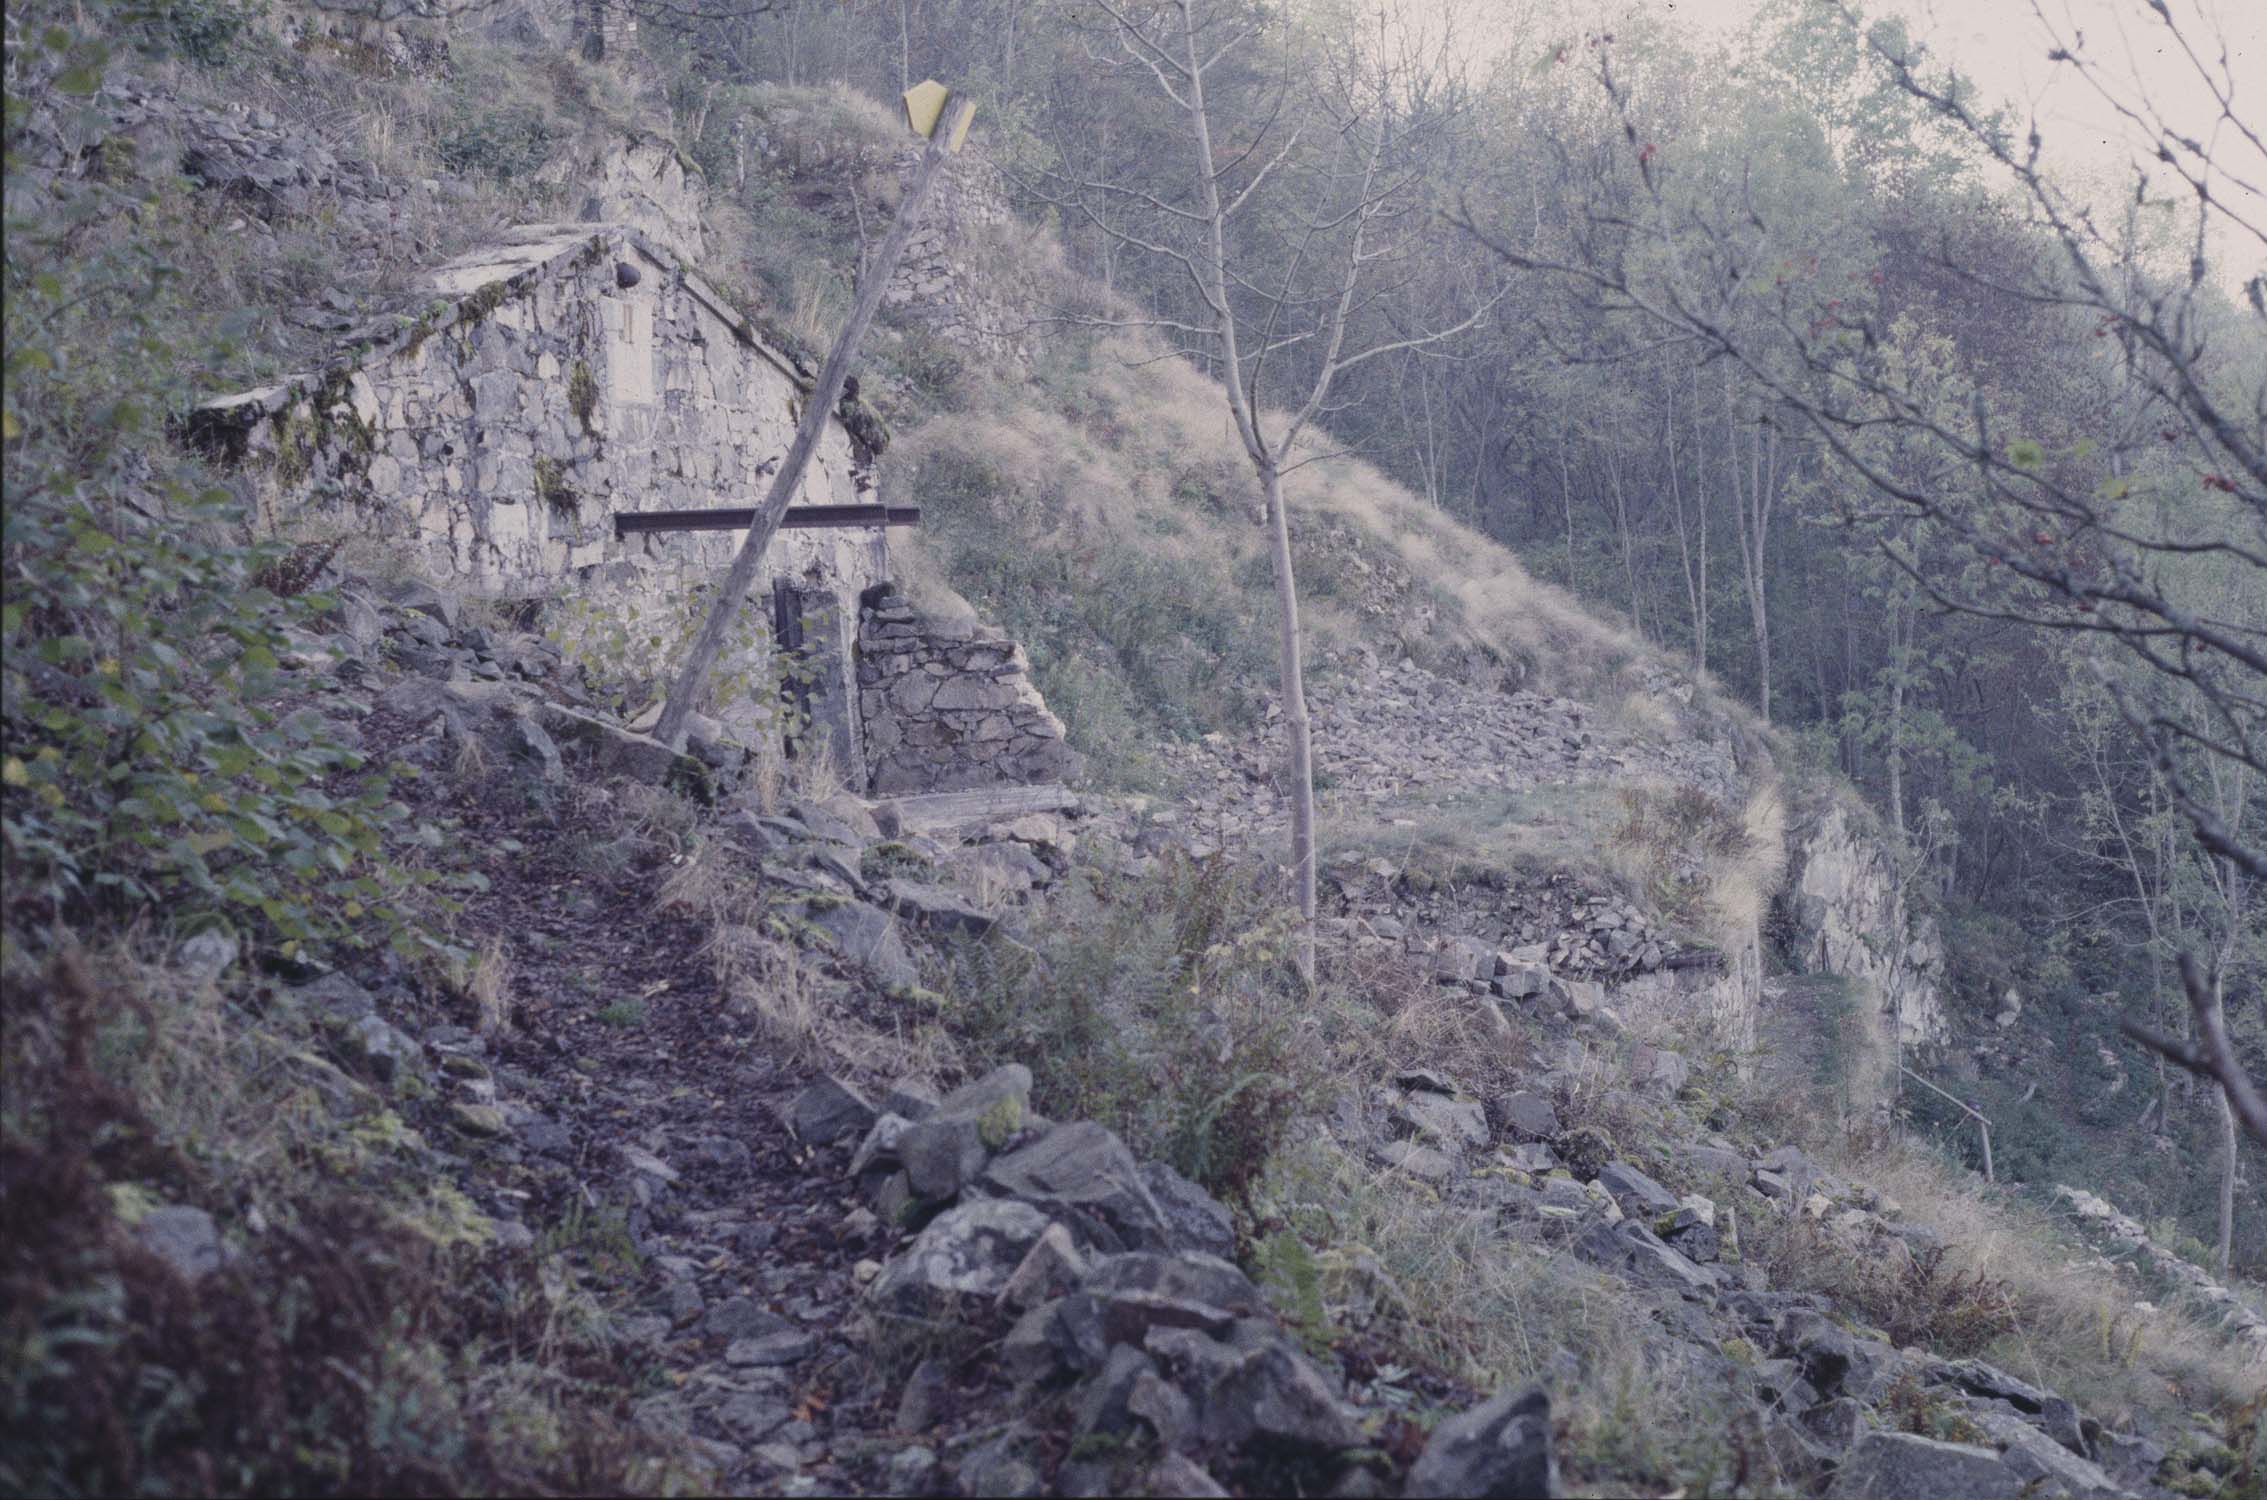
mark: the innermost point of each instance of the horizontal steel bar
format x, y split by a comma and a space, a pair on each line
799, 517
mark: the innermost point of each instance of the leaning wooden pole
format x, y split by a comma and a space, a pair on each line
686, 690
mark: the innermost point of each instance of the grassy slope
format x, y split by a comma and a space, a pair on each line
1095, 502
1098, 506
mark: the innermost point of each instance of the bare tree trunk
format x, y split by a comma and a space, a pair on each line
2228, 1158
685, 692
1629, 545
904, 45
1751, 511
1896, 747
1566, 502
2232, 889
1695, 589
1298, 744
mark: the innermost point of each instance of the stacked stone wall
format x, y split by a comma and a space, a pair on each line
947, 705
944, 280
570, 374
577, 373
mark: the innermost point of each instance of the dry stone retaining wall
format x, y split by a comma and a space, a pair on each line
942, 280
946, 705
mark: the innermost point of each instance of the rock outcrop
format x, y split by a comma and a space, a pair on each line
1848, 915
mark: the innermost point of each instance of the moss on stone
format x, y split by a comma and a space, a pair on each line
295, 445
483, 302
551, 486
582, 395
1003, 1119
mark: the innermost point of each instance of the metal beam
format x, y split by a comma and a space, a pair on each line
798, 517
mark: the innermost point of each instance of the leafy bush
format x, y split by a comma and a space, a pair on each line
503, 140
1163, 1006
153, 756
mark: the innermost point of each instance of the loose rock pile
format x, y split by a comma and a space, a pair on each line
1514, 942
1124, 1312
2241, 1322
1381, 732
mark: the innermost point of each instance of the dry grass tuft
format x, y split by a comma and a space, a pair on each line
1443, 1290
2071, 1324
489, 986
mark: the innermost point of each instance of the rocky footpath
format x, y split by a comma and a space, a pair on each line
1097, 1299
874, 1282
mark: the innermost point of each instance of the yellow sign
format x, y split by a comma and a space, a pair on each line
925, 104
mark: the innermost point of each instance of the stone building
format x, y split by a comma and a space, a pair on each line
563, 377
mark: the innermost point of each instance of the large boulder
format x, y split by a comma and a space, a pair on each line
1823, 1351
1102, 1405
2052, 1471
487, 714
185, 1238
1274, 1396
1500, 1450
944, 1151
624, 752
1978, 1378
828, 1111
1461, 959
1902, 1466
1084, 1175
969, 1250
1519, 979
1440, 1120
1528, 1116
1634, 1252
935, 906
1657, 1070
1136, 1292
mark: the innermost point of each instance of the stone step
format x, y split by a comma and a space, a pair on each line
945, 812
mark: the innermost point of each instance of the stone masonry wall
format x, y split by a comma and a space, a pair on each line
946, 705
566, 374
942, 281
577, 373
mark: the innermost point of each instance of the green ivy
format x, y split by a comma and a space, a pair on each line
159, 755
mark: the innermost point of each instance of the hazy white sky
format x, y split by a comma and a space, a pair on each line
2002, 45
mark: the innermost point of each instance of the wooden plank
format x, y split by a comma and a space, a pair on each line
738, 518
818, 409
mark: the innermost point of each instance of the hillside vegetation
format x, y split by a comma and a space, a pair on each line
407, 1093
